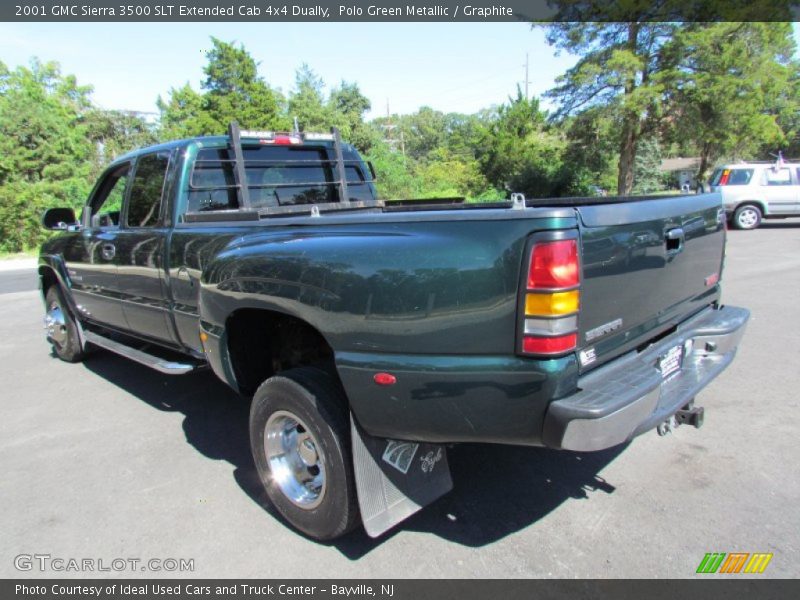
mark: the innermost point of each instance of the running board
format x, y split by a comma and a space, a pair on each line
161, 365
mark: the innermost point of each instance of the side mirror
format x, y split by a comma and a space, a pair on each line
372, 170
59, 219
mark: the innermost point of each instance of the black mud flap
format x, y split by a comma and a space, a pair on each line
394, 479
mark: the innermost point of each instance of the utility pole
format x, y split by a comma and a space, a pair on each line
527, 81
390, 127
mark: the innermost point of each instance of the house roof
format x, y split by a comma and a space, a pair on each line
680, 164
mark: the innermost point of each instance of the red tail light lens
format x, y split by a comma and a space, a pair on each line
549, 345
550, 304
554, 265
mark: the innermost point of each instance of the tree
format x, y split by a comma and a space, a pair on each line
394, 178
307, 102
590, 160
446, 175
621, 68
184, 114
520, 153
348, 107
735, 90
45, 153
647, 176
423, 131
233, 91
115, 132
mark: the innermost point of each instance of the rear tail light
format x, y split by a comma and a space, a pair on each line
552, 299
553, 265
550, 345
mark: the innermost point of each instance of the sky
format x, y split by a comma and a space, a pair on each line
452, 67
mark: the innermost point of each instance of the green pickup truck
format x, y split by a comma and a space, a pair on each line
369, 334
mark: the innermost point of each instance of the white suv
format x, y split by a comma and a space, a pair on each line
752, 191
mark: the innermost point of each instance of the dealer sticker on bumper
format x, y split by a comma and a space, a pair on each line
671, 362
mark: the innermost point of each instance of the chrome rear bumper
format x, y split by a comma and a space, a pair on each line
629, 395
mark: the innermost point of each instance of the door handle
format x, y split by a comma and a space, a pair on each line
107, 251
675, 238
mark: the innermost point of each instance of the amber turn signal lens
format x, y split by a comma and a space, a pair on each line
548, 305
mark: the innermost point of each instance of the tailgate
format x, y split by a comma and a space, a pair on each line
647, 265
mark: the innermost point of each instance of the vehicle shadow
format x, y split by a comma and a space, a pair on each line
780, 224
498, 490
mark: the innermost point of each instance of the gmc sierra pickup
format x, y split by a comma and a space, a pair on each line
372, 334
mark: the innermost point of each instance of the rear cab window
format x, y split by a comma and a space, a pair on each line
277, 175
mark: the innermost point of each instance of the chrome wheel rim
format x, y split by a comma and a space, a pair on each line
748, 218
295, 460
56, 325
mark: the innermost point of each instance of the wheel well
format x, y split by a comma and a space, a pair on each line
263, 342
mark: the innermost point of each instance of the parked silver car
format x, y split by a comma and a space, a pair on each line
752, 191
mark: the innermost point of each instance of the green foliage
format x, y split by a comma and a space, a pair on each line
233, 91
114, 133
647, 176
45, 150
347, 106
423, 132
183, 114
590, 158
640, 90
447, 175
519, 152
394, 178
706, 89
307, 102
736, 91
620, 71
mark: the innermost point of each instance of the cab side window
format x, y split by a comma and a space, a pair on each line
106, 204
147, 189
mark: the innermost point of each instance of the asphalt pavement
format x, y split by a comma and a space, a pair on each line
109, 460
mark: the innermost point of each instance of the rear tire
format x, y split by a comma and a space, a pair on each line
61, 327
299, 437
747, 216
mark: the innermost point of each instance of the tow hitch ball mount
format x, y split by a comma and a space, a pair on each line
689, 414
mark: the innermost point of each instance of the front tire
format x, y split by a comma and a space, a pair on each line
747, 216
299, 437
61, 327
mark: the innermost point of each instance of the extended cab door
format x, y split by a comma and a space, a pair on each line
90, 257
140, 246
779, 190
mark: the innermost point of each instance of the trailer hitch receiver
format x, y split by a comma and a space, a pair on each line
691, 416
